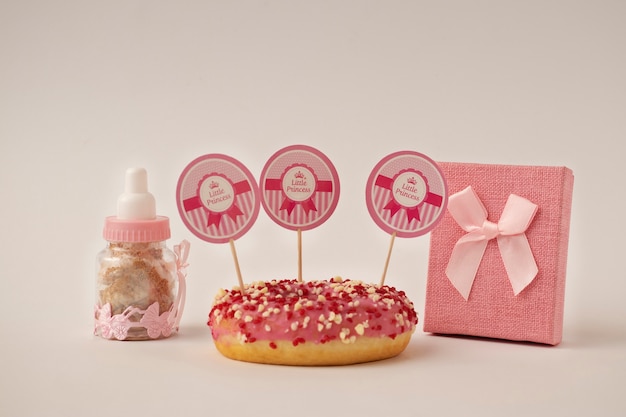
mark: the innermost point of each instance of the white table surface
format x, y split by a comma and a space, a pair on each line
88, 89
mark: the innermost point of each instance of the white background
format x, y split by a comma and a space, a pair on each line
89, 88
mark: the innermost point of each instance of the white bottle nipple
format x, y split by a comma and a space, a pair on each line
136, 203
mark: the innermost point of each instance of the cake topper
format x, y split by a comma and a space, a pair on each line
217, 198
406, 195
299, 189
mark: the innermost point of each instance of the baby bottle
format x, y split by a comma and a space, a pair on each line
140, 284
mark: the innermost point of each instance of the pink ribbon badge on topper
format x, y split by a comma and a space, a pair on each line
217, 198
406, 194
470, 213
300, 187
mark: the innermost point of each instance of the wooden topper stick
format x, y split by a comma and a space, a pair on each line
382, 280
234, 252
299, 255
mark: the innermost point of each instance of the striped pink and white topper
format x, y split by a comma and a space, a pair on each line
406, 194
299, 187
217, 198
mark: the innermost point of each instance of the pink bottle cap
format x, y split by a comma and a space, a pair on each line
121, 230
136, 219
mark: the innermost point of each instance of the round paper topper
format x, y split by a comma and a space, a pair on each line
299, 187
406, 193
217, 198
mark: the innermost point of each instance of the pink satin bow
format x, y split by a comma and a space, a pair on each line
470, 213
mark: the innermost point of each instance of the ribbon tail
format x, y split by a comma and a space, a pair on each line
182, 291
182, 252
413, 213
234, 212
288, 205
518, 261
463, 264
393, 208
214, 218
309, 205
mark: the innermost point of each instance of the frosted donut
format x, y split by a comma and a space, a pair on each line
335, 322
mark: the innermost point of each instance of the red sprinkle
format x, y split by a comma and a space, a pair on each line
298, 340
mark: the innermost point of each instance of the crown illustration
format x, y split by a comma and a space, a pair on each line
214, 184
412, 180
299, 175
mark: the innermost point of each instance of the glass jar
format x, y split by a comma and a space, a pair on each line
136, 291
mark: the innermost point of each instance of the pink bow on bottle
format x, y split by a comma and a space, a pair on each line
470, 213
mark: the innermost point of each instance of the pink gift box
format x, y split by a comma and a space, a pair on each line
522, 300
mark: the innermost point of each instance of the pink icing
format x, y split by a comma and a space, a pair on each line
314, 311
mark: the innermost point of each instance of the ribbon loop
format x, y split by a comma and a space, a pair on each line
471, 215
517, 215
467, 209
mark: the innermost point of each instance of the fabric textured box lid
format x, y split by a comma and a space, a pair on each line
492, 310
